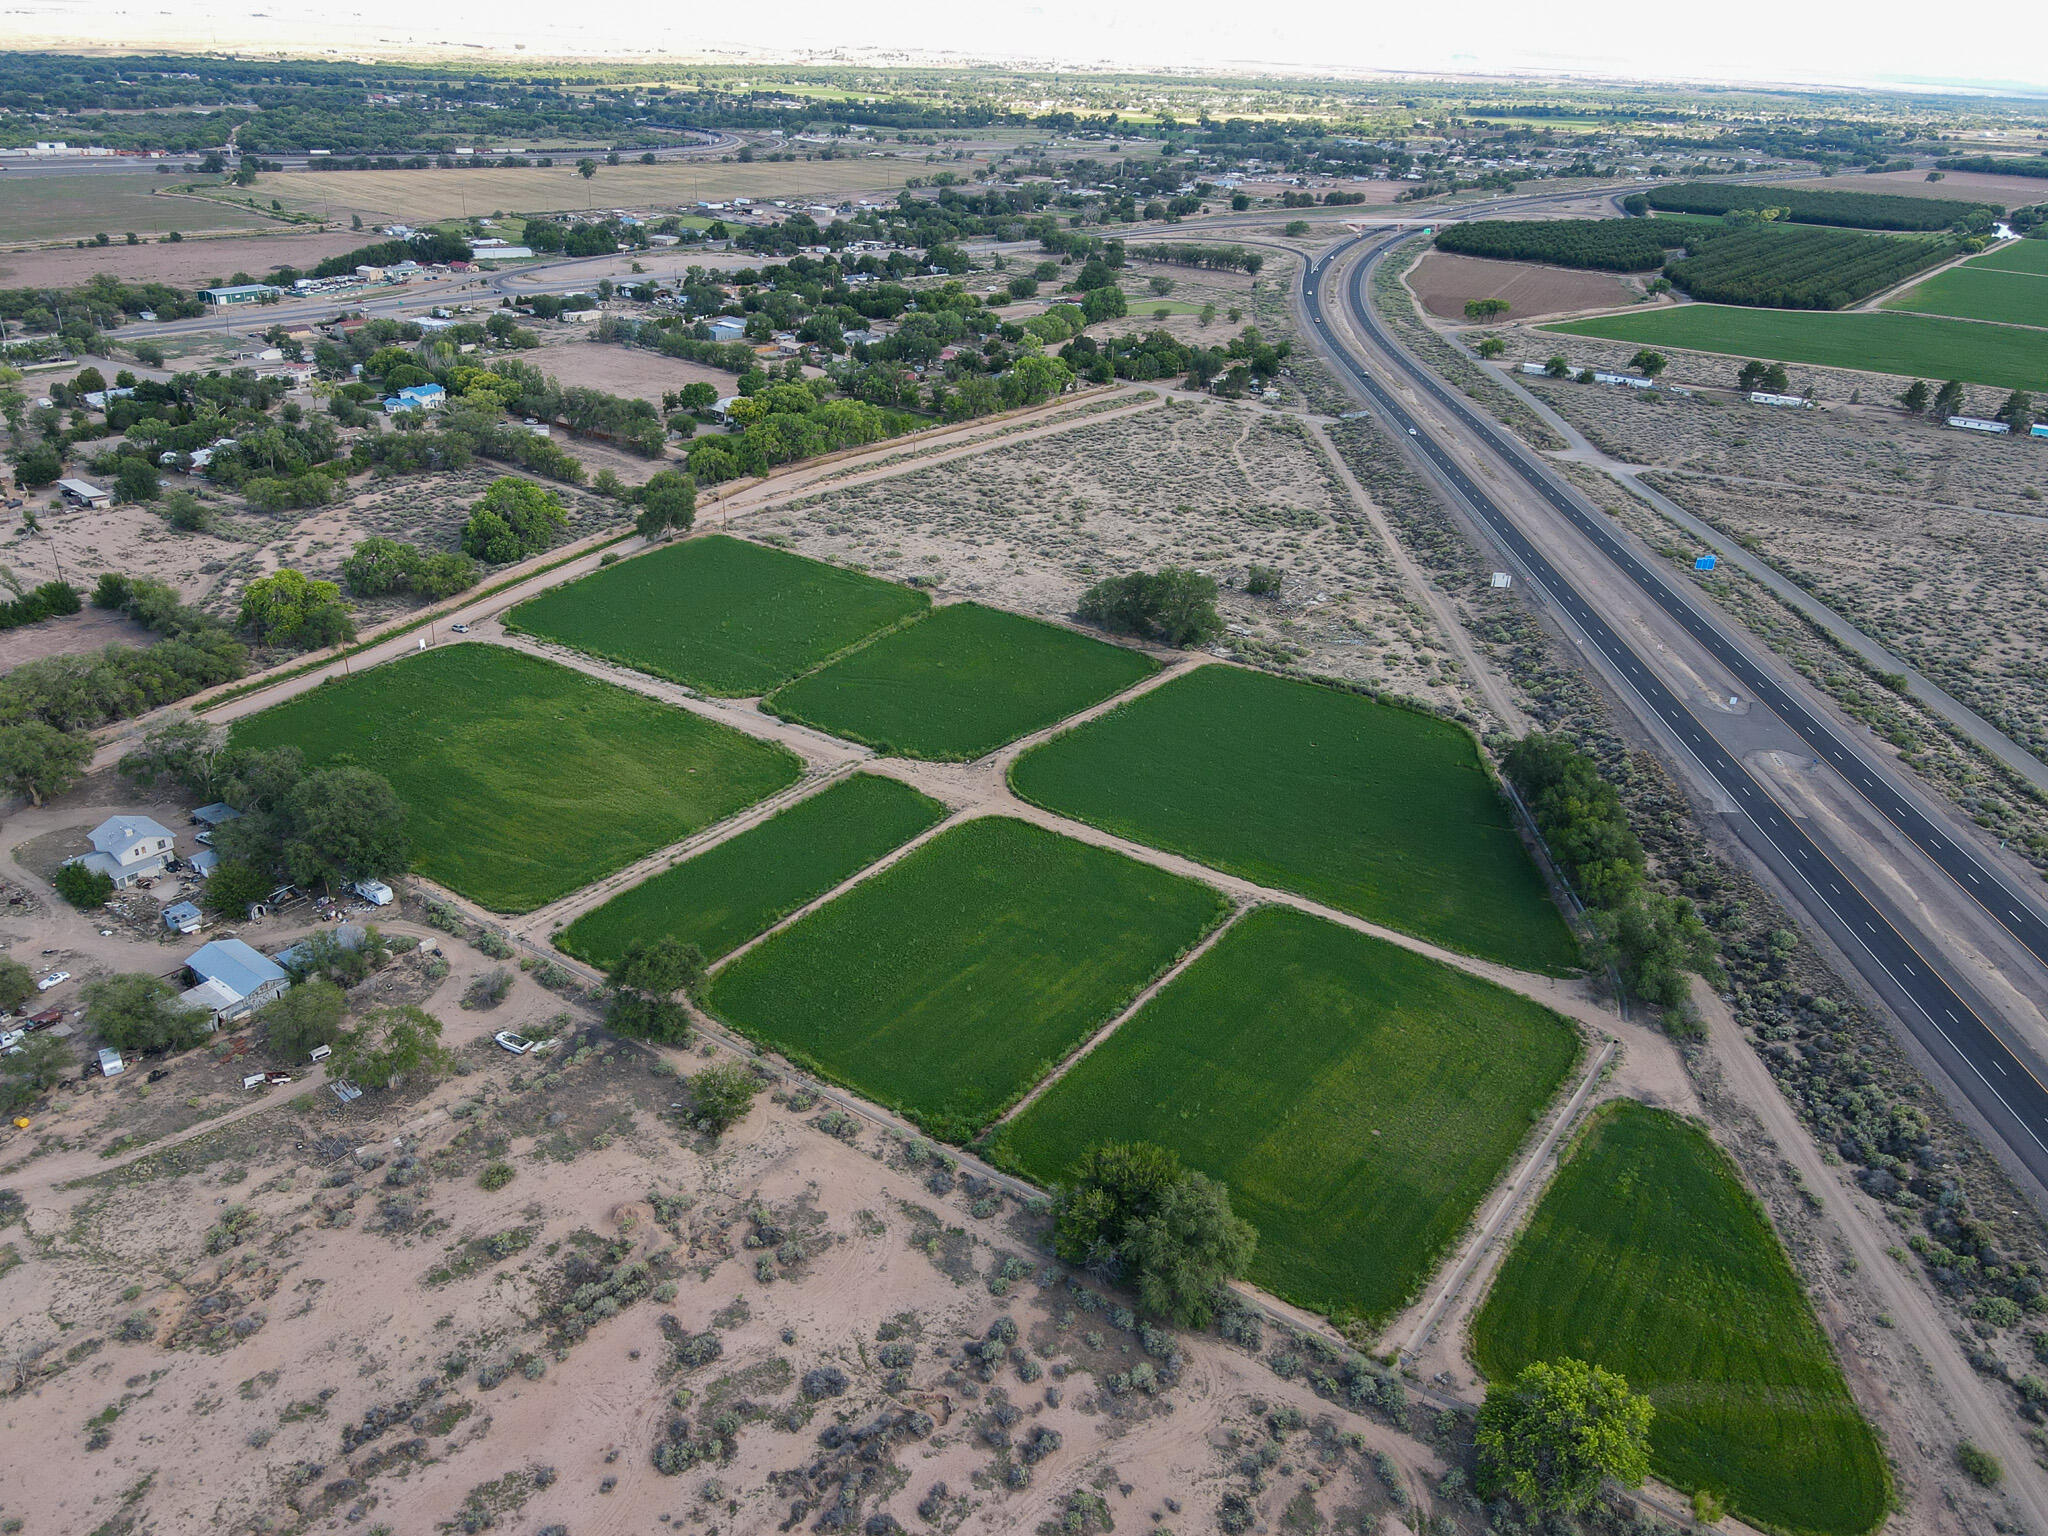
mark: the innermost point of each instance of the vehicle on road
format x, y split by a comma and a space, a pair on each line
55, 978
461, 629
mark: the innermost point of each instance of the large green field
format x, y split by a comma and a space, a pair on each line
960, 682
1648, 1256
1358, 1099
950, 982
522, 779
1881, 341
2009, 283
718, 614
1377, 810
748, 883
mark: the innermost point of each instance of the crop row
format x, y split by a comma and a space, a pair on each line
1852, 210
1779, 267
1607, 245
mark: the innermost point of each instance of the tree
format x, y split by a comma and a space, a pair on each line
183, 750
1916, 396
136, 480
2018, 412
235, 886
1776, 380
1491, 346
342, 825
307, 1016
1558, 366
1649, 364
139, 1012
38, 466
17, 984
39, 1064
288, 608
1485, 309
1750, 376
1132, 1210
668, 503
586, 167
1550, 1439
86, 889
389, 1046
644, 985
38, 760
514, 519
1175, 605
721, 1095
1948, 400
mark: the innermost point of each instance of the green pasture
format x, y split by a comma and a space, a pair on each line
1381, 811
524, 780
950, 982
725, 895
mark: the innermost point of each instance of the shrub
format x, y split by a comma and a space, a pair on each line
495, 1176
1175, 605
83, 888
1980, 1466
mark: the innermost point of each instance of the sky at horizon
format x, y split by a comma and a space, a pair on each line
1751, 41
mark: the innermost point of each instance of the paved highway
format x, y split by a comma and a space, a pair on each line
1983, 1068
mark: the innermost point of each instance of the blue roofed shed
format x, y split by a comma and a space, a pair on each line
252, 976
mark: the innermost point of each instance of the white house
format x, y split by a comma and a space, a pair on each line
240, 979
128, 849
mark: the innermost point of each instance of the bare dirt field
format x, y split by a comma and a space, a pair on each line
630, 371
1214, 486
191, 263
1958, 186
86, 630
1443, 282
437, 194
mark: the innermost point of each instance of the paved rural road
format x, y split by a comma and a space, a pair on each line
1987, 1072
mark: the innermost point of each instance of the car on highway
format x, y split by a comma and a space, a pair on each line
55, 978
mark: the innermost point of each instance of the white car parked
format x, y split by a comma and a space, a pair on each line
518, 1045
55, 978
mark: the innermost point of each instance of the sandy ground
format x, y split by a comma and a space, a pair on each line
193, 262
87, 630
630, 371
1443, 282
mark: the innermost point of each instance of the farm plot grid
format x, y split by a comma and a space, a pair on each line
953, 980
1377, 810
1648, 1256
1878, 341
2009, 283
718, 614
1358, 1099
959, 683
745, 885
524, 780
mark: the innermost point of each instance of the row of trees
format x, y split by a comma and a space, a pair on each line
1173, 605
1783, 267
1849, 210
1224, 258
1607, 245
378, 567
2017, 411
1653, 939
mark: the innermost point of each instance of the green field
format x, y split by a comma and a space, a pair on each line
718, 614
950, 982
2009, 284
1880, 341
1358, 1099
60, 207
748, 883
1381, 811
522, 779
1648, 1256
960, 682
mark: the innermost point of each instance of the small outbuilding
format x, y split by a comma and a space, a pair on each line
84, 493
184, 917
248, 977
215, 816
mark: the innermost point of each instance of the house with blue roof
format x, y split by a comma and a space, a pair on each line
416, 397
232, 979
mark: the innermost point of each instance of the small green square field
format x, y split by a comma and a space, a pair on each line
960, 682
725, 895
951, 981
1358, 1099
524, 780
1376, 810
1648, 1256
718, 614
